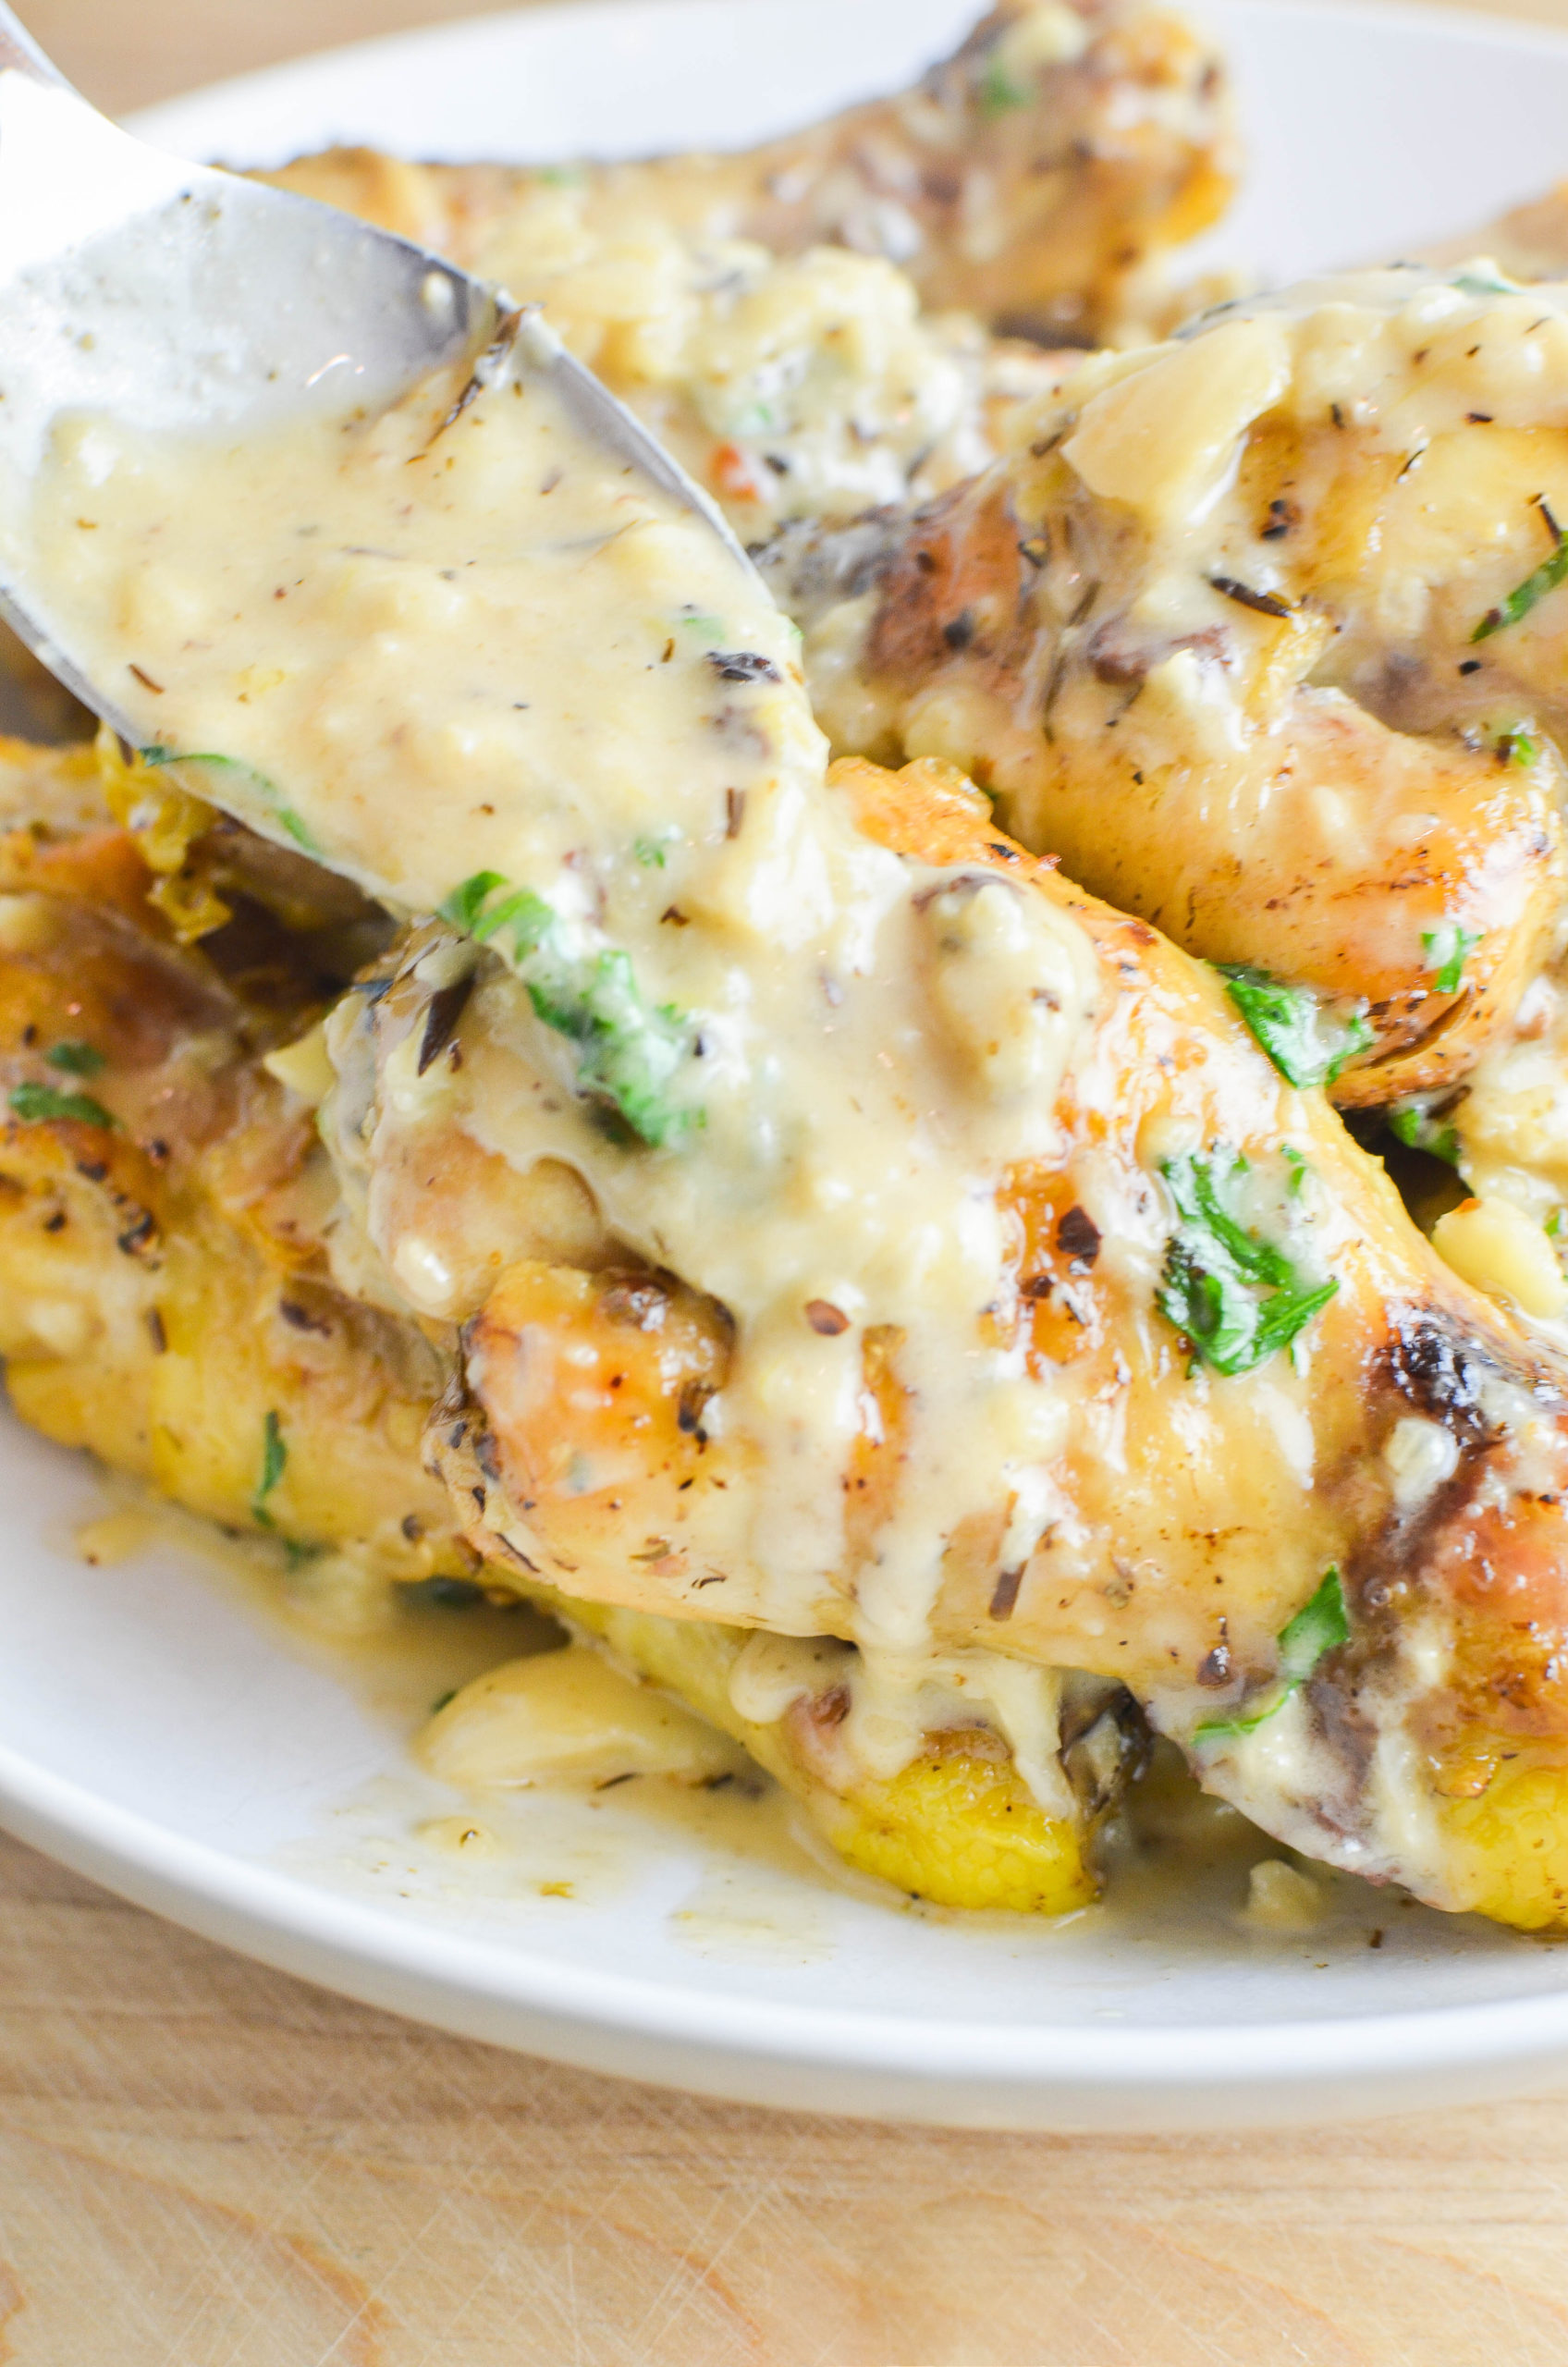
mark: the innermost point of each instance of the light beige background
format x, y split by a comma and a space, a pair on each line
204, 2165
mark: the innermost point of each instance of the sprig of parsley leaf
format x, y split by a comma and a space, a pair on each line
1308, 1041
1319, 1627
1234, 1295
628, 1051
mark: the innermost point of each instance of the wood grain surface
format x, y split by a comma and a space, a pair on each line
206, 2165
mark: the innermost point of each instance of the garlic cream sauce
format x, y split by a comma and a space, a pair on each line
466, 658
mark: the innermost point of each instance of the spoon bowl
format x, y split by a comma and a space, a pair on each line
180, 298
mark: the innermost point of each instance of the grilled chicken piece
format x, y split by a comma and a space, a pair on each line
1030, 178
171, 1249
165, 1297
1292, 1482
1258, 632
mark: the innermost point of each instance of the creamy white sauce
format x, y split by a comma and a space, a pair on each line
472, 664
433, 647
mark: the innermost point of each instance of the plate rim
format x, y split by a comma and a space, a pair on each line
1057, 2075
1430, 17
660, 2031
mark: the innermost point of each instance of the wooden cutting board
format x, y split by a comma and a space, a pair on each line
206, 2165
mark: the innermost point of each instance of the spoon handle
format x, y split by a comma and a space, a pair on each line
20, 54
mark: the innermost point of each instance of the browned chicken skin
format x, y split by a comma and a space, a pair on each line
1435, 1433
1209, 698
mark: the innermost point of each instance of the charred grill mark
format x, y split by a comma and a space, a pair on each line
1078, 1236
960, 583
1437, 1367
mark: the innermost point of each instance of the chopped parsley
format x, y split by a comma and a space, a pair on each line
1481, 283
1308, 1044
649, 854
1234, 1295
1523, 596
1447, 950
36, 1103
76, 1058
1000, 91
629, 1053
1518, 747
1411, 1122
1318, 1628
463, 906
295, 824
274, 1462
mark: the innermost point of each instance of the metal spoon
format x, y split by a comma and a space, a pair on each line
175, 296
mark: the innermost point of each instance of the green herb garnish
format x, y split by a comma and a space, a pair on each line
649, 854
1318, 1628
756, 419
1518, 747
33, 1103
1000, 91
1236, 1296
1307, 1044
77, 1059
441, 1700
1413, 1125
1523, 596
274, 1462
1446, 950
629, 1053
299, 830
463, 906
295, 824
1477, 283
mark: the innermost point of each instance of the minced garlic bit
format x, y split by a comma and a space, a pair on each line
1504, 1252
1281, 1899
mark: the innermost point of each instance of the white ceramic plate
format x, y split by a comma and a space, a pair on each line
161, 1734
